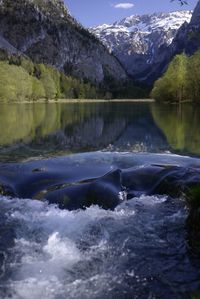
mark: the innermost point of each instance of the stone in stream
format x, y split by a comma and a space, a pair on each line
6, 191
158, 179
151, 180
104, 192
75, 188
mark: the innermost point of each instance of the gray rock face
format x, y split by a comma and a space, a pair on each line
188, 36
45, 31
196, 16
186, 40
139, 42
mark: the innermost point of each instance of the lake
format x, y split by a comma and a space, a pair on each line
116, 223
29, 130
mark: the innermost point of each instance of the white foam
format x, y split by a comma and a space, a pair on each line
54, 247
152, 200
63, 249
32, 288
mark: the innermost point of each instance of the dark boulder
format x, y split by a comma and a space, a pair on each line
104, 192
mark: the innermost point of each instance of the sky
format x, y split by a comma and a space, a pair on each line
95, 12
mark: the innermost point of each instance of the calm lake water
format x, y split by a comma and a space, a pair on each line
38, 129
139, 249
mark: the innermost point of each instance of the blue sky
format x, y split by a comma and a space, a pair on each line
95, 12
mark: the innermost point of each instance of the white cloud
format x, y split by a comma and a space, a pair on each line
124, 5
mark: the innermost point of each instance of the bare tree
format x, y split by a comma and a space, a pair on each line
182, 2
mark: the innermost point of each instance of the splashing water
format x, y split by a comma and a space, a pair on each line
136, 251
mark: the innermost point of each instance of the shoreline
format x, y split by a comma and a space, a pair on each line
79, 101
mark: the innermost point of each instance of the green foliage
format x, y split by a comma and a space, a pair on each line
111, 88
20, 79
66, 84
55, 75
193, 77
23, 79
48, 83
38, 91
10, 76
173, 85
181, 80
162, 91
27, 65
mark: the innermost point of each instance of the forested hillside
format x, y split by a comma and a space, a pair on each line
22, 79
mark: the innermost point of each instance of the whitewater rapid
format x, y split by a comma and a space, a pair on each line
136, 250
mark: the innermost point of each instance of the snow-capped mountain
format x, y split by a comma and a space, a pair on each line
137, 40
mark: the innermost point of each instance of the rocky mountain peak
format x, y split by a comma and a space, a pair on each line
137, 39
165, 21
48, 8
196, 15
52, 8
188, 36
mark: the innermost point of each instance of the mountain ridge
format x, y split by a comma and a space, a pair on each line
137, 40
188, 36
187, 40
45, 31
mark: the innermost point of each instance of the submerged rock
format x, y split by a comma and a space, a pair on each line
159, 179
6, 191
78, 186
104, 192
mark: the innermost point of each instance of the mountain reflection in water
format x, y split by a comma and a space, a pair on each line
78, 127
42, 128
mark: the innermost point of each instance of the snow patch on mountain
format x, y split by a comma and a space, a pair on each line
136, 40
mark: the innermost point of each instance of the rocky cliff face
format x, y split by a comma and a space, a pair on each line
140, 42
45, 31
188, 36
186, 40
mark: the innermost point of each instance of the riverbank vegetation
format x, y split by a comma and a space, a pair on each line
181, 81
22, 79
